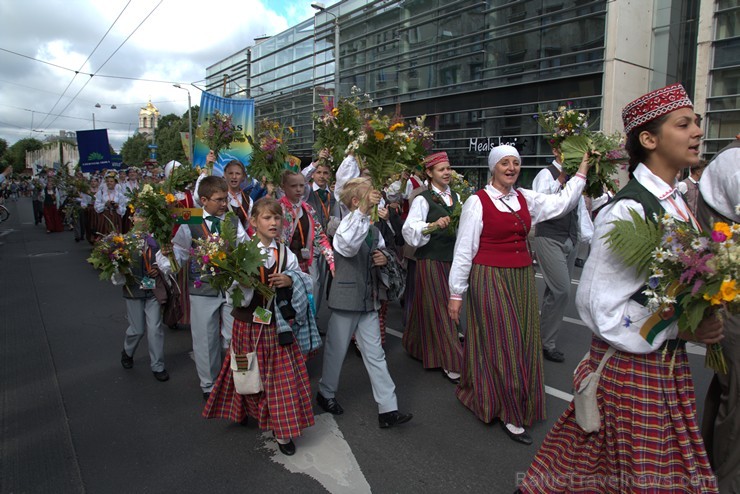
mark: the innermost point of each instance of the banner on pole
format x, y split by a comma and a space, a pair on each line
185, 140
242, 116
94, 150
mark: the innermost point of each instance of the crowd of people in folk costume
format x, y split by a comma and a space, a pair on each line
319, 238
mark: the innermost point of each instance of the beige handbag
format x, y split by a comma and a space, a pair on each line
584, 398
245, 371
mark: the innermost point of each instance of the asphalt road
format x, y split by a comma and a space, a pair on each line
73, 420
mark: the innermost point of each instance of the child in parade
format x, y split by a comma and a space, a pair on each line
354, 303
110, 205
149, 269
302, 232
239, 201
649, 439
210, 312
284, 405
430, 335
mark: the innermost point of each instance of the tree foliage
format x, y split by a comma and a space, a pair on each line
167, 137
134, 150
16, 154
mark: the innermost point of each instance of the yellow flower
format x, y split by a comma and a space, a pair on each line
118, 239
169, 198
379, 135
290, 129
728, 290
221, 256
723, 228
335, 111
131, 209
715, 299
395, 126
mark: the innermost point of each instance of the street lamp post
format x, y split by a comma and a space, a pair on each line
321, 8
191, 140
93, 114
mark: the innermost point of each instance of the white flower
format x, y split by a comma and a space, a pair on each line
737, 209
660, 255
351, 132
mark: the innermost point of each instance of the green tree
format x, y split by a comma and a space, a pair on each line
16, 154
169, 143
134, 150
3, 147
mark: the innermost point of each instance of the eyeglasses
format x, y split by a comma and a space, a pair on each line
218, 199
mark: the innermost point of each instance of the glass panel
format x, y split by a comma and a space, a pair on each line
727, 53
726, 82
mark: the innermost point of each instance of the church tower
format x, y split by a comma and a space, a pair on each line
148, 119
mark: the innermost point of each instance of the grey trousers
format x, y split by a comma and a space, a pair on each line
145, 316
211, 324
366, 329
556, 260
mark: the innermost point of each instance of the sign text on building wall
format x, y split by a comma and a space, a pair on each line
485, 144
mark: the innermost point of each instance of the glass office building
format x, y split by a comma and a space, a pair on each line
480, 70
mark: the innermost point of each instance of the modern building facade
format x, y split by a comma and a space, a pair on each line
481, 69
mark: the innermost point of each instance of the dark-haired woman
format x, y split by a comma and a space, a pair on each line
649, 438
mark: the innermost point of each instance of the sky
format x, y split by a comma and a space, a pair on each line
175, 44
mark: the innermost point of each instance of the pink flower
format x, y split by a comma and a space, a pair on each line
206, 259
197, 283
718, 236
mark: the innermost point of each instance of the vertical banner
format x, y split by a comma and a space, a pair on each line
94, 150
242, 116
185, 140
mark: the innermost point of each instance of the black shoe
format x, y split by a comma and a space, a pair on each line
126, 361
287, 449
523, 438
553, 355
330, 405
206, 395
390, 419
161, 376
244, 421
580, 263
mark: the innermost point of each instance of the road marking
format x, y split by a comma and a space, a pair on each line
695, 349
572, 280
323, 454
558, 394
6, 232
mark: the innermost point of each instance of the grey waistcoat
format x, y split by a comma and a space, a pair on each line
355, 284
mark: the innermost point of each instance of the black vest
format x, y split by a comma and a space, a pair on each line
441, 244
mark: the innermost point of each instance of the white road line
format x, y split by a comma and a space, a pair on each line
323, 454
558, 394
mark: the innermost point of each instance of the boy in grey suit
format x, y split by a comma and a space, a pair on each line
358, 248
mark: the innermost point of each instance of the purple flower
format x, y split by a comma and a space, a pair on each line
718, 236
206, 259
197, 283
535, 116
627, 322
653, 282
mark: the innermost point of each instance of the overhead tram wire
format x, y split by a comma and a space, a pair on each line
83, 63
87, 73
62, 116
108, 59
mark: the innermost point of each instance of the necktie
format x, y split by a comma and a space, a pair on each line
215, 224
323, 194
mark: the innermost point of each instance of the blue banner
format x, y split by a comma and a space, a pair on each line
242, 117
94, 150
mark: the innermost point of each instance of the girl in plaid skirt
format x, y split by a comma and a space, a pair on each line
284, 405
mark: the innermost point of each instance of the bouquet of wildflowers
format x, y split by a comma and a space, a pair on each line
222, 262
687, 272
112, 255
568, 130
217, 132
460, 186
339, 124
270, 151
155, 206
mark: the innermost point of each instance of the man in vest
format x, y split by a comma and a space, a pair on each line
556, 244
690, 186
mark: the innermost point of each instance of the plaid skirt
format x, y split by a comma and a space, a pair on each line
502, 362
649, 440
430, 335
284, 406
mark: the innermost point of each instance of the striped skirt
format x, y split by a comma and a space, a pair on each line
502, 360
649, 441
284, 406
107, 222
182, 283
430, 335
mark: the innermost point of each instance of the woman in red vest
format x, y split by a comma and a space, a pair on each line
502, 362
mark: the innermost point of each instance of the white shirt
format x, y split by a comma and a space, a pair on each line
542, 207
603, 296
416, 221
291, 264
104, 194
351, 233
183, 239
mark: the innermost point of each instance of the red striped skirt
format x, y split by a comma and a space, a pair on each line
284, 406
430, 335
502, 360
649, 441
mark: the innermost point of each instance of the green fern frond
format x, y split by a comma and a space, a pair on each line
634, 241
